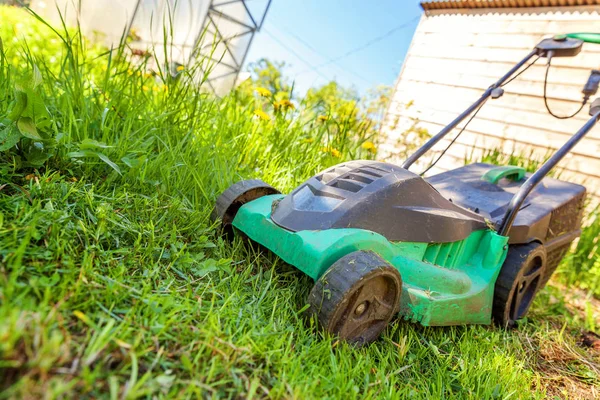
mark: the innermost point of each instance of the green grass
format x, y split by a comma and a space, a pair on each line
113, 282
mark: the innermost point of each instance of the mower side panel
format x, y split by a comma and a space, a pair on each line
458, 294
312, 252
443, 284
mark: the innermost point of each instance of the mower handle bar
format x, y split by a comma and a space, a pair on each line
525, 189
431, 142
540, 51
518, 199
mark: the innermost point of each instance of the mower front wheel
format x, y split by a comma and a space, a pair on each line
235, 196
357, 297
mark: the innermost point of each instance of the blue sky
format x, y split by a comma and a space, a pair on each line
307, 34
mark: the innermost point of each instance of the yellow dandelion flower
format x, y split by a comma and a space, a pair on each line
322, 118
165, 88
145, 88
334, 152
284, 104
369, 146
180, 68
263, 92
309, 140
147, 75
261, 115
154, 89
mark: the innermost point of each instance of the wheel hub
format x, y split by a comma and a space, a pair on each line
369, 307
360, 310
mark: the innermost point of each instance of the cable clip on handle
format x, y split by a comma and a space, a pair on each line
591, 86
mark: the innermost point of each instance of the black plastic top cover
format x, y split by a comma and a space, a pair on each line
380, 197
466, 188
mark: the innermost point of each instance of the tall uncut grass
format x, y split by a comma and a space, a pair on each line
114, 284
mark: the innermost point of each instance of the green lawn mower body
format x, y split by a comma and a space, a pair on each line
443, 283
446, 254
467, 246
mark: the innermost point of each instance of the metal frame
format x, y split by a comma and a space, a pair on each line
211, 18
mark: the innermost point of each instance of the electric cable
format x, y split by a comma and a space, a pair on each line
583, 103
520, 72
454, 140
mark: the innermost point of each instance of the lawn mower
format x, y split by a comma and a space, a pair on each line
468, 246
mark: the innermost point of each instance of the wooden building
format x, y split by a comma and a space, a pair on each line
461, 47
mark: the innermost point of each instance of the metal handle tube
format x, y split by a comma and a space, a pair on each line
431, 142
518, 199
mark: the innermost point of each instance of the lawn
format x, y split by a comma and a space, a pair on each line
114, 283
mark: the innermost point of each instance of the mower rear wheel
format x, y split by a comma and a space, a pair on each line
235, 196
519, 281
357, 297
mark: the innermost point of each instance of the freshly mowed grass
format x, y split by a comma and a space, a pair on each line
114, 284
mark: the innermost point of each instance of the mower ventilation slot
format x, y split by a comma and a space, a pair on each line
376, 172
347, 184
359, 177
350, 180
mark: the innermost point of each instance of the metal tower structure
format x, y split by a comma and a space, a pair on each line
219, 31
232, 25
222, 32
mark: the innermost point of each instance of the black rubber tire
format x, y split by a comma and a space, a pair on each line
357, 297
521, 277
235, 196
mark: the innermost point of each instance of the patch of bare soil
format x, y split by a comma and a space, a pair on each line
567, 361
591, 340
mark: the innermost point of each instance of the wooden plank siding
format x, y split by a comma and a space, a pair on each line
456, 54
